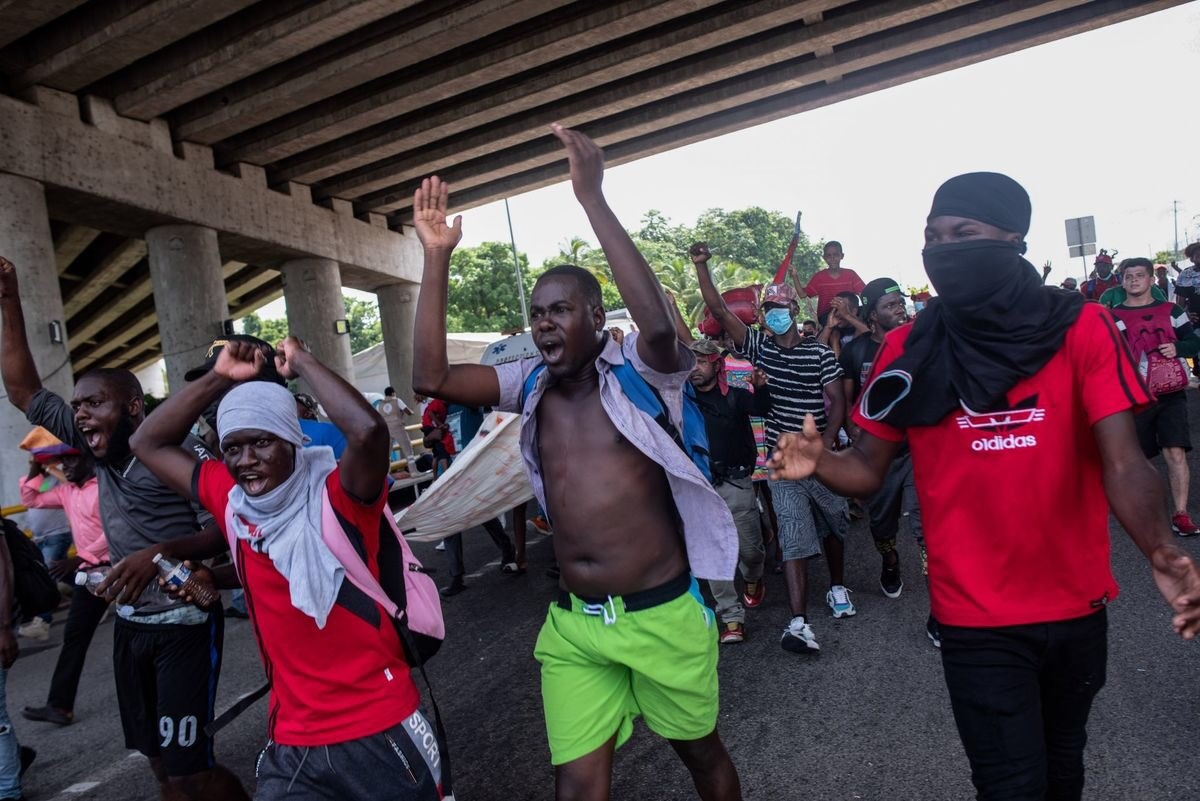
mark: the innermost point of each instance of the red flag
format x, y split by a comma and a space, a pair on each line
781, 273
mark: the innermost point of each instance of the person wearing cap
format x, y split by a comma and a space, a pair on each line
340, 685
828, 283
883, 309
316, 432
1017, 402
167, 654
800, 372
727, 411
1102, 279
75, 494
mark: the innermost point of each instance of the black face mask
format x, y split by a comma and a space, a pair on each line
967, 274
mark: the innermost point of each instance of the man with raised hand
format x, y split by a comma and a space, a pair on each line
801, 373
1013, 397
633, 517
339, 679
166, 654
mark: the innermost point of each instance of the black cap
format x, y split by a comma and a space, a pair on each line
214, 350
875, 290
989, 197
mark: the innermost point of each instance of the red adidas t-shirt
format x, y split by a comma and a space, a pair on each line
1016, 519
330, 685
825, 287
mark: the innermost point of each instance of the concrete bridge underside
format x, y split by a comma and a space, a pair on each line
299, 128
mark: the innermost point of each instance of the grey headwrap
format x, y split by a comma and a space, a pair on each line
285, 523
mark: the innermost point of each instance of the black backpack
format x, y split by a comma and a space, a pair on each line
34, 591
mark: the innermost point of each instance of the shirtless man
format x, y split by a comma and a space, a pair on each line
632, 515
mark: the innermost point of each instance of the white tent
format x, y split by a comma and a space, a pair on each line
370, 365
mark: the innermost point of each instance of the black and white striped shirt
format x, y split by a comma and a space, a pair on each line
796, 378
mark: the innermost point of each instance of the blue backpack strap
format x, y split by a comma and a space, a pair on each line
644, 396
530, 383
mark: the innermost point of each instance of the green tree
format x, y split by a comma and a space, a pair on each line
362, 318
757, 239
483, 289
267, 330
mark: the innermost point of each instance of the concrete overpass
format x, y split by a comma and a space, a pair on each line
166, 165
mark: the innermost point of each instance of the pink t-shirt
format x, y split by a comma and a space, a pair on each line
82, 507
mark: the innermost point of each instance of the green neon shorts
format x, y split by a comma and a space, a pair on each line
601, 669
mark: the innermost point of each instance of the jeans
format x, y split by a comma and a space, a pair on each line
454, 547
10, 749
1021, 696
82, 620
739, 497
238, 600
53, 548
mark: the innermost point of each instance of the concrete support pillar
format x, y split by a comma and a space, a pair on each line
25, 241
312, 291
189, 294
397, 313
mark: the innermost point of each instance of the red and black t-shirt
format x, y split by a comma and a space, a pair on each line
1016, 519
330, 685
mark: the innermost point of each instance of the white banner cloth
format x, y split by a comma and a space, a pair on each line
485, 480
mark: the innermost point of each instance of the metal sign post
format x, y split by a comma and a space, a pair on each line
1081, 240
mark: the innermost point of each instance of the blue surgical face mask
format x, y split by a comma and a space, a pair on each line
778, 320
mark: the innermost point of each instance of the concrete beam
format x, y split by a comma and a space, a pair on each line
73, 240
249, 282
20, 17
724, 78
111, 267
920, 65
113, 184
309, 127
82, 51
276, 91
355, 159
257, 299
114, 340
83, 329
239, 51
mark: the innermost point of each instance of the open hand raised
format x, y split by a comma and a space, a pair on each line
586, 160
430, 202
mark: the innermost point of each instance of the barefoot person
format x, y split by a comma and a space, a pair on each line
1017, 402
633, 517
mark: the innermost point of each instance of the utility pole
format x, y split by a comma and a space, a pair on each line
517, 266
1175, 211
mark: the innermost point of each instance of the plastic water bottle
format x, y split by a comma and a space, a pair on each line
91, 580
177, 574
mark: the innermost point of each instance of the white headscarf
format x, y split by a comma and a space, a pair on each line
287, 520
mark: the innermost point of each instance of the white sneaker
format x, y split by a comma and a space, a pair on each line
798, 638
838, 599
36, 629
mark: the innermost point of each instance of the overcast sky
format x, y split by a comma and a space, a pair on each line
1106, 123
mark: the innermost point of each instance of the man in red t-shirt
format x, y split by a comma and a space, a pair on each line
339, 680
826, 284
1012, 396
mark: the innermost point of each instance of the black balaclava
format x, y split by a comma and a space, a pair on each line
992, 324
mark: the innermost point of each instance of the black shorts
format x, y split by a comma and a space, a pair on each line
166, 688
1164, 425
402, 763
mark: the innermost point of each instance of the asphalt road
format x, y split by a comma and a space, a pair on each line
868, 719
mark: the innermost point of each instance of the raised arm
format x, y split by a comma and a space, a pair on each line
733, 325
682, 331
364, 463
657, 341
156, 442
21, 379
433, 375
1135, 494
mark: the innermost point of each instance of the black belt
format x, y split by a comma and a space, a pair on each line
642, 599
723, 473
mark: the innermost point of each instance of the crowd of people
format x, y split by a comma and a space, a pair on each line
642, 455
